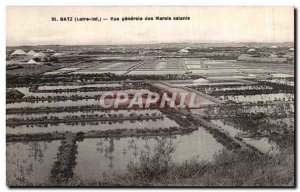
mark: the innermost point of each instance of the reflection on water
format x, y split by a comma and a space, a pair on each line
30, 162
271, 109
282, 81
99, 158
65, 93
93, 126
256, 98
263, 144
232, 131
67, 103
243, 87
27, 93
47, 87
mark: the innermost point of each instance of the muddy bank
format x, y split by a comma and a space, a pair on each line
62, 169
30, 110
42, 121
99, 134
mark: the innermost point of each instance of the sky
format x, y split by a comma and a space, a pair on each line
33, 25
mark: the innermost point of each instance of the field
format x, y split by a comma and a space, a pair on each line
241, 134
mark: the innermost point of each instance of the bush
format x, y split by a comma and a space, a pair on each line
239, 168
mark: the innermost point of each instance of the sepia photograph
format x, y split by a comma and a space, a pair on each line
150, 96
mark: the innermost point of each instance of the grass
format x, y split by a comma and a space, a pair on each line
228, 169
239, 168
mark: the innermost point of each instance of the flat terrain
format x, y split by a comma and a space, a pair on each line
58, 133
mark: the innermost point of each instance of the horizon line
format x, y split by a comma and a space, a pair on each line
212, 42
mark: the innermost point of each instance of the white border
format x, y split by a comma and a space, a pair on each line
5, 3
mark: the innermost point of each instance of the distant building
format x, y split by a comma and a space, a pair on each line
39, 55
18, 52
31, 61
57, 54
50, 50
183, 51
31, 52
273, 55
251, 50
200, 80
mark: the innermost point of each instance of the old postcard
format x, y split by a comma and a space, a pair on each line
150, 96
